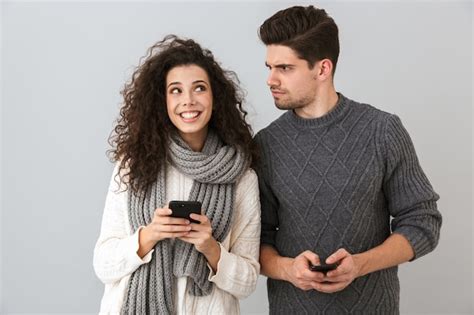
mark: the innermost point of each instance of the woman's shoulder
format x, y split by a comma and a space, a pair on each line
247, 200
249, 177
247, 188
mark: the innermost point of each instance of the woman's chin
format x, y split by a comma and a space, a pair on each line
192, 131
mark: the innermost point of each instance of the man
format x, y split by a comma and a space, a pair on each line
333, 172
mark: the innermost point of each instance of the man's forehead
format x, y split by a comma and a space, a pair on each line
279, 54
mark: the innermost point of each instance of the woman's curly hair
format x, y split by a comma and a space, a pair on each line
140, 137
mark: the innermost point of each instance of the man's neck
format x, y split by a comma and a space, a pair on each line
323, 103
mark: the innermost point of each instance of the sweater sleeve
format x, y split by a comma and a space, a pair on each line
238, 267
410, 196
115, 253
268, 201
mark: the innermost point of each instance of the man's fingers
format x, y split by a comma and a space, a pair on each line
302, 263
311, 257
333, 279
305, 285
342, 269
309, 275
346, 266
329, 287
337, 256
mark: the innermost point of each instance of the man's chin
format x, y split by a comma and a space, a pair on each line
283, 106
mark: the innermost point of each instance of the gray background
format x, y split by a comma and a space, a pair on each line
63, 65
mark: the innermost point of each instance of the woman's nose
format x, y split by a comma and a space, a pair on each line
188, 98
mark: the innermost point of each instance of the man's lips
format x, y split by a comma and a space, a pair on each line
277, 92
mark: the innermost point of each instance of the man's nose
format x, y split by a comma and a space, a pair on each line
272, 80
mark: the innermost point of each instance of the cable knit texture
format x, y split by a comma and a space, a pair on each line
115, 254
214, 171
336, 182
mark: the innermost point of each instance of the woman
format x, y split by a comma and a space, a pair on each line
181, 135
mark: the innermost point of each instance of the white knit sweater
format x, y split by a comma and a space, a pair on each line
115, 254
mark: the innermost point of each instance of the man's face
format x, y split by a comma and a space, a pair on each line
292, 83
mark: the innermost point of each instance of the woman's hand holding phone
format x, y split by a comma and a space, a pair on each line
201, 237
161, 227
200, 234
164, 225
201, 230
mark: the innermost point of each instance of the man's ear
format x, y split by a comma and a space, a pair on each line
323, 69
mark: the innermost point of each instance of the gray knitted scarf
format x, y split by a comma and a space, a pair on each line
214, 172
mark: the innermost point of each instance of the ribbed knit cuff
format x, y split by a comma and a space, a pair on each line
223, 259
131, 246
421, 240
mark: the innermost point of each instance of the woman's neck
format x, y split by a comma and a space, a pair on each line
195, 140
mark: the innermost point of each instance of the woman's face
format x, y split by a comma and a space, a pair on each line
189, 103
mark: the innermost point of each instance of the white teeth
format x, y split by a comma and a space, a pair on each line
189, 115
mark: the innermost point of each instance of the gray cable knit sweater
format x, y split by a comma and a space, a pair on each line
344, 180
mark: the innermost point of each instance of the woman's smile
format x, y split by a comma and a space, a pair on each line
189, 102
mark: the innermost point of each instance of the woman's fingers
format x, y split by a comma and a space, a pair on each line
162, 211
172, 221
174, 228
174, 235
199, 217
162, 216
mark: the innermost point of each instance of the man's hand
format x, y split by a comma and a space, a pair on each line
298, 273
396, 249
338, 279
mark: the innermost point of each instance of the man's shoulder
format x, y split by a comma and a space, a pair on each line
369, 110
262, 135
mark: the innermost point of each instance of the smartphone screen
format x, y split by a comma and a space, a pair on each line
182, 209
323, 268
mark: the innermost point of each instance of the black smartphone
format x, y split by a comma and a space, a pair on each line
324, 268
182, 209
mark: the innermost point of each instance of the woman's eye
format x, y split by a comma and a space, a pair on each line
175, 91
200, 88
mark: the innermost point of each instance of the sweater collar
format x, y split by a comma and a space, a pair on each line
333, 115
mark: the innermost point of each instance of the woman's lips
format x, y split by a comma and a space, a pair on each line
190, 116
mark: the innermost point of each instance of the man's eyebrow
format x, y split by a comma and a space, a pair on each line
280, 65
